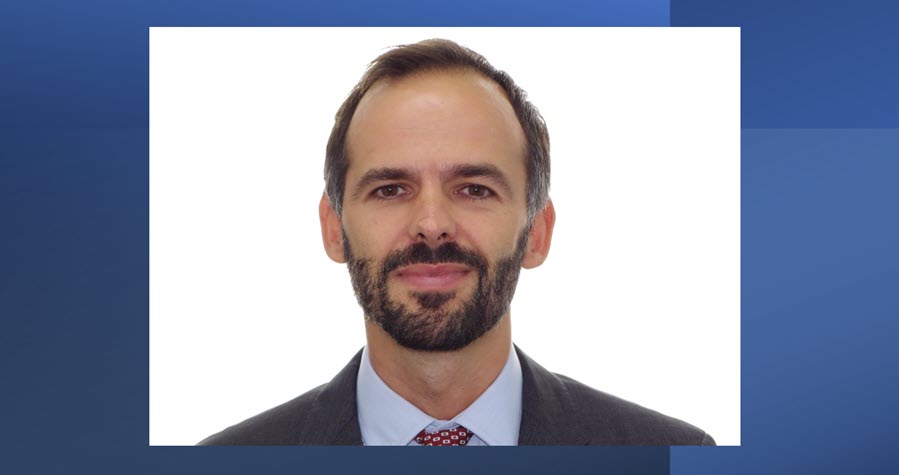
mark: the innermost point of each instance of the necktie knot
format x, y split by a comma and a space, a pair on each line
444, 438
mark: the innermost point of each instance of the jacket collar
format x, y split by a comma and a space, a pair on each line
334, 416
547, 412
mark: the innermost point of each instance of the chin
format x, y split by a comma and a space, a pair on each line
445, 300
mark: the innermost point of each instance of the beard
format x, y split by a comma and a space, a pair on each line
434, 326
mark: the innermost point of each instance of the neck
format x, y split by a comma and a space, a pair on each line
441, 384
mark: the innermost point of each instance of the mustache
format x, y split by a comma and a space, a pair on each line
421, 253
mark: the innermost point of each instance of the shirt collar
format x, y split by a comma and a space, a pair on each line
385, 418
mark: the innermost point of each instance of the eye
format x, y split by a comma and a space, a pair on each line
389, 192
477, 192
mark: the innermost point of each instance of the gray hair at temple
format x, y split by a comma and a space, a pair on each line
439, 55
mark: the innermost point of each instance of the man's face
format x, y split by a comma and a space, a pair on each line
434, 220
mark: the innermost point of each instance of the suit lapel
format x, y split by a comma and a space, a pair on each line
548, 412
335, 419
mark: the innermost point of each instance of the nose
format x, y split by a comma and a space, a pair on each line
433, 222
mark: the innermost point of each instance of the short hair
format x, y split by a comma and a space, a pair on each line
439, 55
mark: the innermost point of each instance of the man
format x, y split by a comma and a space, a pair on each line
437, 179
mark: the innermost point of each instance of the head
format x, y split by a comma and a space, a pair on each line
437, 178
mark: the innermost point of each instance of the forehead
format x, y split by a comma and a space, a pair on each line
436, 120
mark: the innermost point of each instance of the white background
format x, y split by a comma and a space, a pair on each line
640, 296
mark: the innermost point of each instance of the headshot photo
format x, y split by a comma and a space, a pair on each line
445, 236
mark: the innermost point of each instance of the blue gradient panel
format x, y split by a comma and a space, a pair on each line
85, 64
820, 306
821, 64
820, 236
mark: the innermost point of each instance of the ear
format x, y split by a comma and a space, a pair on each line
332, 237
540, 237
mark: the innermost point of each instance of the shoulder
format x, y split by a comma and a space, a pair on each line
610, 420
325, 415
557, 410
281, 425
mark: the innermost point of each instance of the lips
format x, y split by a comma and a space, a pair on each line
432, 276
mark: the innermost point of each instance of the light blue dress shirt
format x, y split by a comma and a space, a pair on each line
385, 418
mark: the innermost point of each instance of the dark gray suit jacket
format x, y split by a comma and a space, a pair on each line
556, 410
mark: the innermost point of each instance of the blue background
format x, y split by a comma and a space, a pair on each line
820, 267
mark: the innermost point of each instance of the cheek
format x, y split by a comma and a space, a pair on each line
372, 237
494, 237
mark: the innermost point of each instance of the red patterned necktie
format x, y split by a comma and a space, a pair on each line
444, 438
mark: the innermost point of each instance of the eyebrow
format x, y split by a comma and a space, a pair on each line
484, 170
381, 174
